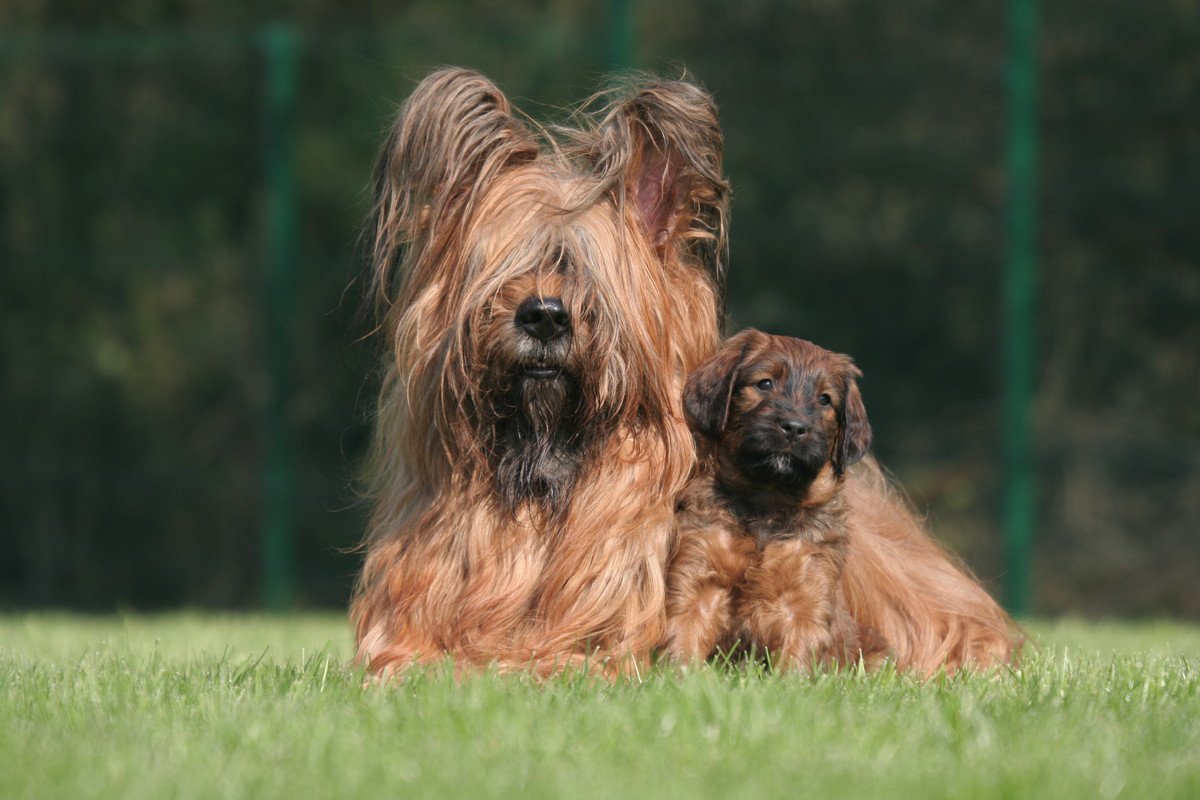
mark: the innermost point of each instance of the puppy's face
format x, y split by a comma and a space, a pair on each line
778, 410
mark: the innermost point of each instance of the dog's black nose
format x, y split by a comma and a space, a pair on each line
543, 318
794, 428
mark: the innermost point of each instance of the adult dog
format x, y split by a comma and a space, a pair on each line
543, 297
554, 291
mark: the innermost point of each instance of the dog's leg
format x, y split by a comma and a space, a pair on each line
456, 583
698, 617
703, 571
788, 603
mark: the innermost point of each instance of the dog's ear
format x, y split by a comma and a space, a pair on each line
708, 393
854, 430
454, 134
665, 146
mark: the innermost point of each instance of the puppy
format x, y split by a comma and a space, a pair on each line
763, 526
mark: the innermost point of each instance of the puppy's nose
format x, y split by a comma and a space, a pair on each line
794, 428
543, 318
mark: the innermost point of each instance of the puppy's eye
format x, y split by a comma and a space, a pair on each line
824, 399
765, 385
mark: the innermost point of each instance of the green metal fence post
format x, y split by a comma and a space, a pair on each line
1018, 326
621, 38
281, 50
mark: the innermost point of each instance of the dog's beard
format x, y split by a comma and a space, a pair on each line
537, 441
792, 467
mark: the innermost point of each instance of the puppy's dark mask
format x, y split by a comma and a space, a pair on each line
779, 409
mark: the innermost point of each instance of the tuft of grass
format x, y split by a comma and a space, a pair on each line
200, 706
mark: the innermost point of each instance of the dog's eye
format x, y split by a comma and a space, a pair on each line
559, 261
824, 399
765, 385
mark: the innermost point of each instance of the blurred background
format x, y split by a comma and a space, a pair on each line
184, 393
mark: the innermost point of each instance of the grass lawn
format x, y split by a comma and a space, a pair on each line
188, 705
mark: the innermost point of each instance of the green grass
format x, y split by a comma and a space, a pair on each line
189, 706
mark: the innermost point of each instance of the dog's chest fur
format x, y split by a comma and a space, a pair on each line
759, 557
703, 505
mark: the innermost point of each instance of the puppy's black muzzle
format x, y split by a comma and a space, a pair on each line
787, 451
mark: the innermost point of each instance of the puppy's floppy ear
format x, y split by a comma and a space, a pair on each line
708, 394
453, 136
664, 146
854, 431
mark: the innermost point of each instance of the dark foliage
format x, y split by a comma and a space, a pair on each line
865, 143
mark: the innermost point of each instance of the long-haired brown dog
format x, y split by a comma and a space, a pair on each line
763, 527
554, 291
543, 297
780, 548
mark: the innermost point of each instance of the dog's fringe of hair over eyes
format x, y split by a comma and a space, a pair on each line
674, 117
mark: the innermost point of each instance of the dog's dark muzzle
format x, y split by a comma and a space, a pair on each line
543, 318
545, 326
